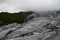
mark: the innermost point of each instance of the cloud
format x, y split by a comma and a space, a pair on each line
29, 5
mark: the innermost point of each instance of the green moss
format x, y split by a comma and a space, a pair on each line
11, 18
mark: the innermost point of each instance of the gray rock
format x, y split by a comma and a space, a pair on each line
10, 25
39, 28
56, 37
3, 33
1, 29
13, 25
36, 36
30, 27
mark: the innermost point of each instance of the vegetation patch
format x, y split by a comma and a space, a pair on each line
12, 17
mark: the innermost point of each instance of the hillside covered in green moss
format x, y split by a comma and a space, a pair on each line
13, 17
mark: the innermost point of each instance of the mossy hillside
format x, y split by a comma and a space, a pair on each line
13, 17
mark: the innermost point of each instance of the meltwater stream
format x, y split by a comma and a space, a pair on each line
37, 26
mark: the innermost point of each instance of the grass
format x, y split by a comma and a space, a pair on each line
13, 17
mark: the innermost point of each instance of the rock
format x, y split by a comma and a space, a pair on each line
39, 28
3, 33
13, 25
30, 27
1, 29
32, 16
32, 37
36, 36
56, 37
20, 38
10, 25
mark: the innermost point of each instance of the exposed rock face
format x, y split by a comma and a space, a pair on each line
38, 28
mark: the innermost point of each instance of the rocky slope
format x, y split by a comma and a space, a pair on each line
36, 27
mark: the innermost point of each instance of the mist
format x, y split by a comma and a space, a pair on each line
29, 5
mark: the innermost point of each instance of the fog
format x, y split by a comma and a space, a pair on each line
29, 5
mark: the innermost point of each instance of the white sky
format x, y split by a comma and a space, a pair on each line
29, 5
